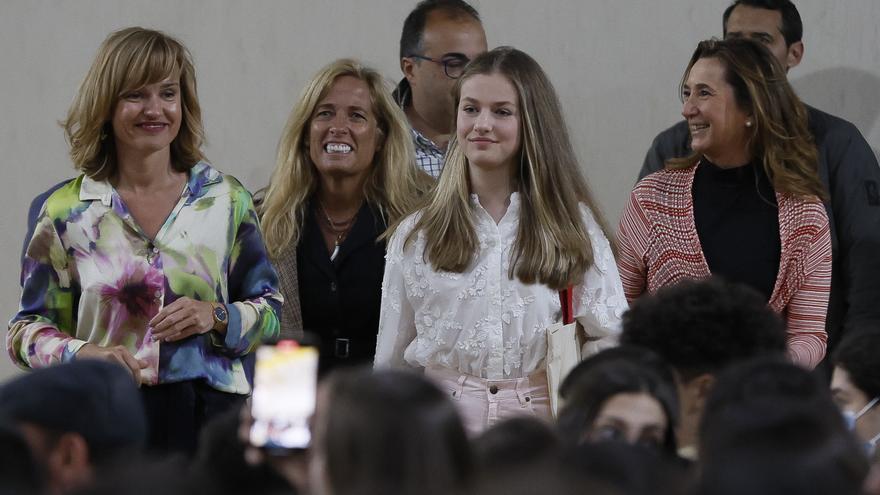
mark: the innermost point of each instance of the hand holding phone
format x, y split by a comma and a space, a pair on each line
285, 387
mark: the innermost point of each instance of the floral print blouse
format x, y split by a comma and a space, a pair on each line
481, 322
92, 276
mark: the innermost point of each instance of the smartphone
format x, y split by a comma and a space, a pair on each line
285, 389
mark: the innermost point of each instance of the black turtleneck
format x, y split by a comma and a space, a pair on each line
737, 221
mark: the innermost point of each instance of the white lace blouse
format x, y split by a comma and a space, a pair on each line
481, 322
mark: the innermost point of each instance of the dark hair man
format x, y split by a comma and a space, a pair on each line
847, 167
77, 418
439, 38
776, 421
700, 328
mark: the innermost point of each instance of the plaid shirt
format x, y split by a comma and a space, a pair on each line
429, 156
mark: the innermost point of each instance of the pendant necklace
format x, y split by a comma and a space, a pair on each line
338, 229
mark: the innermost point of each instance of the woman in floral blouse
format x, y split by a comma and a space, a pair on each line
151, 258
472, 280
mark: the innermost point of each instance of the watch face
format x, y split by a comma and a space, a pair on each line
220, 313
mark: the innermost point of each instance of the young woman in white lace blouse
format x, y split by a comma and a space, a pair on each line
472, 279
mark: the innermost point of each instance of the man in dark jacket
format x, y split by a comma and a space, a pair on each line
847, 167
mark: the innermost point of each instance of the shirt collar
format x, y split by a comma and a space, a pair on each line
200, 176
512, 209
424, 141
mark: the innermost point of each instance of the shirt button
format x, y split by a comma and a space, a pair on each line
332, 286
493, 389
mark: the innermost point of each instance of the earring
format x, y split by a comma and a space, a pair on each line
748, 123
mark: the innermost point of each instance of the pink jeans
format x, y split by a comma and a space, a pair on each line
482, 403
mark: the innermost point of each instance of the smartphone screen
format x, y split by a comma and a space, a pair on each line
285, 385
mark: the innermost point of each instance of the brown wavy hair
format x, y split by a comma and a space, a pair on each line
780, 137
127, 60
552, 245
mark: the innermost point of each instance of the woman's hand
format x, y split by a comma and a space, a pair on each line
183, 318
116, 354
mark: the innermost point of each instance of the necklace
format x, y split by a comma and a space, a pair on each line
338, 229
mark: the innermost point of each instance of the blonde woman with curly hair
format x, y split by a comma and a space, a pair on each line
151, 258
747, 204
472, 280
345, 171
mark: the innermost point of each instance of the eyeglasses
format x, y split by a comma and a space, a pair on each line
452, 66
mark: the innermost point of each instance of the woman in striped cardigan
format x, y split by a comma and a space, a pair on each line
746, 205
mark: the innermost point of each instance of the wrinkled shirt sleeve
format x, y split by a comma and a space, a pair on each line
254, 298
397, 328
41, 333
600, 302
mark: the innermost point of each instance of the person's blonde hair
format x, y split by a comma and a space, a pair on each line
127, 60
393, 187
780, 137
552, 245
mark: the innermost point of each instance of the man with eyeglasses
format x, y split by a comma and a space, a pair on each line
847, 167
439, 38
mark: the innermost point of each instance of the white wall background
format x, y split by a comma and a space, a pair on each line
615, 63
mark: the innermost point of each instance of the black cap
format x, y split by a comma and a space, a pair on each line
97, 399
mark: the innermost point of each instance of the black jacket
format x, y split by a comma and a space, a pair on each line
340, 299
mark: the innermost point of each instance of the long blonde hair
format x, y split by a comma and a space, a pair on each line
393, 187
552, 245
780, 136
130, 59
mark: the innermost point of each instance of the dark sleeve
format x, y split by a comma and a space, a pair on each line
854, 182
671, 143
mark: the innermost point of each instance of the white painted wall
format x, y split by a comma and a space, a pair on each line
615, 63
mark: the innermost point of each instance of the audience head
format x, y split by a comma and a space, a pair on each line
699, 327
345, 124
514, 444
166, 476
387, 432
136, 71
439, 38
20, 474
774, 23
77, 418
770, 427
764, 382
740, 108
855, 384
220, 466
624, 393
627, 469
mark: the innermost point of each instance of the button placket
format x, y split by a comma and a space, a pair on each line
493, 275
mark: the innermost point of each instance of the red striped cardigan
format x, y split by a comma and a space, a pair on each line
659, 246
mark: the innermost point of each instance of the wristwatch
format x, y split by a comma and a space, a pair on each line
220, 317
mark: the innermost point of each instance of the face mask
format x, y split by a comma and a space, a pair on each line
850, 417
871, 445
